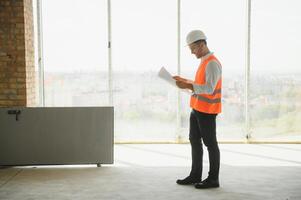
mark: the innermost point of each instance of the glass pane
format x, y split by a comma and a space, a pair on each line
143, 40
225, 28
75, 52
276, 73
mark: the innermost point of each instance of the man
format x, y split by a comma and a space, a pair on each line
206, 104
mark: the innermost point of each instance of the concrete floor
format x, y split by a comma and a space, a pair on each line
150, 171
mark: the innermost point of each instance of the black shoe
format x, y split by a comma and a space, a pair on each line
189, 180
207, 183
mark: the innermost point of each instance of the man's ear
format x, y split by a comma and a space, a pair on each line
202, 44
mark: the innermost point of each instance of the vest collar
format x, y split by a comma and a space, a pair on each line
206, 56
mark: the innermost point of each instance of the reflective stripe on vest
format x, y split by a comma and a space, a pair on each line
202, 98
207, 103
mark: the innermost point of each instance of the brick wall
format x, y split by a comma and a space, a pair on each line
17, 77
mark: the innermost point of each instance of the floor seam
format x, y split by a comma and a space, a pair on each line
8, 180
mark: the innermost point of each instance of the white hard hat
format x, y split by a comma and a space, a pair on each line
194, 36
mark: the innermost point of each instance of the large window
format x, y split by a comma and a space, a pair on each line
275, 70
143, 40
75, 52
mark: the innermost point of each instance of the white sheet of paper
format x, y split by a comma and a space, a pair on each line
165, 75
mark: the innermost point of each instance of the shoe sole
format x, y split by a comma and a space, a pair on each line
207, 187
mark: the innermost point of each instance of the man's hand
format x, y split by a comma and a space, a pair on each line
179, 78
183, 83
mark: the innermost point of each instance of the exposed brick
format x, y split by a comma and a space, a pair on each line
9, 91
3, 86
17, 80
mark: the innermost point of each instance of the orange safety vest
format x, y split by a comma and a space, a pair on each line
207, 103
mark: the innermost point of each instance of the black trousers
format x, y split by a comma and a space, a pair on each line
203, 130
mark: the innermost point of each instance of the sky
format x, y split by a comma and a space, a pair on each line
144, 34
